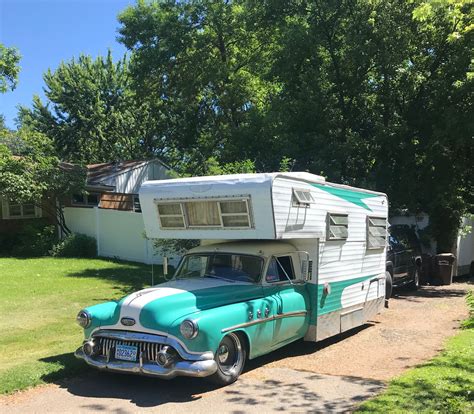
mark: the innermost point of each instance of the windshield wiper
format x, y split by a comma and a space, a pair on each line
219, 277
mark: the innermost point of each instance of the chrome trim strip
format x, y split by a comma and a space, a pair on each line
183, 368
160, 339
271, 318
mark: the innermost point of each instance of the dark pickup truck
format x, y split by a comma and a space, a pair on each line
403, 259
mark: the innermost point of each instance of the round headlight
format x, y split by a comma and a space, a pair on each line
189, 329
83, 319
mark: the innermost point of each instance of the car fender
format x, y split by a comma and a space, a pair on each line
214, 324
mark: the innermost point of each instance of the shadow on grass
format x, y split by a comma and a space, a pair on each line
130, 276
67, 366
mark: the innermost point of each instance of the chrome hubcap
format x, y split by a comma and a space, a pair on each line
223, 354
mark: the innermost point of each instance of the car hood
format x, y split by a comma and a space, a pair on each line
156, 308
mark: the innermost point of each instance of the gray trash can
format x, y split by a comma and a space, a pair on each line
444, 267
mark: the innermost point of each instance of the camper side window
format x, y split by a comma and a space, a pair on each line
302, 197
337, 225
235, 213
171, 215
376, 232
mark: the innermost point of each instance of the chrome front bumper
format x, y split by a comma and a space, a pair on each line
188, 364
179, 368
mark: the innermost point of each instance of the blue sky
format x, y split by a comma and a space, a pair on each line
47, 32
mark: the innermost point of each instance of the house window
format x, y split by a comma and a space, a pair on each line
207, 213
137, 208
89, 200
302, 197
376, 232
20, 211
337, 226
280, 269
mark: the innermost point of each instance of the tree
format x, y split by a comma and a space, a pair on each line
201, 66
379, 94
376, 94
30, 172
91, 113
9, 69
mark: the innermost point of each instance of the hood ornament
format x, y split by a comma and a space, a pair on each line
127, 321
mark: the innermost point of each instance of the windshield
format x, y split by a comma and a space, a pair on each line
226, 266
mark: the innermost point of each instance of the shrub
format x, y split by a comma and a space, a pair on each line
469, 322
76, 245
34, 239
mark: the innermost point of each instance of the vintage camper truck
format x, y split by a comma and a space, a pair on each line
283, 256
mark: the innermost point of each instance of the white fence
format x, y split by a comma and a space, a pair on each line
119, 234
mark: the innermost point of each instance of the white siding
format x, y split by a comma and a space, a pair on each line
465, 250
129, 182
119, 234
296, 222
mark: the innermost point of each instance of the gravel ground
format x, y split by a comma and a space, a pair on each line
330, 376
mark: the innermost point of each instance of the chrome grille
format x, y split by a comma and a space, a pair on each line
149, 350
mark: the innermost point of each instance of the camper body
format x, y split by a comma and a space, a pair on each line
283, 256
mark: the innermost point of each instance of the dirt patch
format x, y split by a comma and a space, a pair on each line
411, 331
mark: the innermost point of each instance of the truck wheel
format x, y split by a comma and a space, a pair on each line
415, 283
230, 358
388, 285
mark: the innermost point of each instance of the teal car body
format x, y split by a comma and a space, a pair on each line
266, 315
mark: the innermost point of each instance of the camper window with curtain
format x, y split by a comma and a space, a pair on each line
234, 213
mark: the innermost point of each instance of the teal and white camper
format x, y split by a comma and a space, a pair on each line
283, 256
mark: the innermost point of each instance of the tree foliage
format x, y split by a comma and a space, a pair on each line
201, 65
30, 172
370, 93
91, 113
9, 68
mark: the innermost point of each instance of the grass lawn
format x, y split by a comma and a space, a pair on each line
39, 300
443, 385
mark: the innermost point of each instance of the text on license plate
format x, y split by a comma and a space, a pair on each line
126, 352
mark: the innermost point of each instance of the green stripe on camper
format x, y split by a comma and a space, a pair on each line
352, 196
333, 301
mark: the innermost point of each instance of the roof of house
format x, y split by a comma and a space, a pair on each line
97, 174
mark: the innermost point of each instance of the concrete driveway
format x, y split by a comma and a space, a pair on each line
330, 376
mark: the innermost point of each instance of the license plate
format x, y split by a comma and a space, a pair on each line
126, 352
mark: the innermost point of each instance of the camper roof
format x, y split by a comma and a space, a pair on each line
233, 178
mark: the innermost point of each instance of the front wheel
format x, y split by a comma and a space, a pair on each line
230, 358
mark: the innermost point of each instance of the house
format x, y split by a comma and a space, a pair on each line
14, 216
115, 185
110, 210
